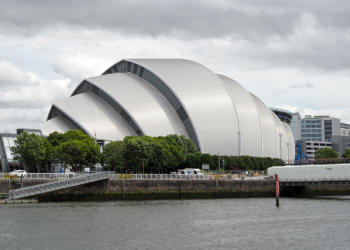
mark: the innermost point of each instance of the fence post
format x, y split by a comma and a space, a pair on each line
277, 191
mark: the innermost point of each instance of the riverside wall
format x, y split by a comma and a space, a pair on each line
163, 189
153, 189
170, 189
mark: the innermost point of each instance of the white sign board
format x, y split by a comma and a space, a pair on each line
205, 166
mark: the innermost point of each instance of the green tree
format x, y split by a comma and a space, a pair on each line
346, 153
113, 156
74, 153
31, 150
137, 153
326, 153
56, 138
50, 154
75, 148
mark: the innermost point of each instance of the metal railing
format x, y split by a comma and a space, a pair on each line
115, 176
313, 179
183, 177
48, 175
57, 185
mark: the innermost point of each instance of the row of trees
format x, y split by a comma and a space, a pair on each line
148, 154
329, 153
37, 154
231, 162
172, 152
135, 154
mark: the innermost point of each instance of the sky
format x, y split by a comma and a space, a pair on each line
291, 54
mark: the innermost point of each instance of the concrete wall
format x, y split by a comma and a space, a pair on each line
153, 189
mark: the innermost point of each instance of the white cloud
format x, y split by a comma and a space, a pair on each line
26, 98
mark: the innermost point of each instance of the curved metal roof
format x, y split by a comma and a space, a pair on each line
95, 116
290, 141
198, 93
249, 124
149, 110
282, 138
269, 135
58, 124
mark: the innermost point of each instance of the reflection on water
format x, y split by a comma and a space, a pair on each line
179, 224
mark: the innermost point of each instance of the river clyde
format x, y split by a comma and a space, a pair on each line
178, 224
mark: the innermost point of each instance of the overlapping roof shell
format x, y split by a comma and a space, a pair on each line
173, 96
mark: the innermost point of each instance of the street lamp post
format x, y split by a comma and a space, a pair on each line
219, 163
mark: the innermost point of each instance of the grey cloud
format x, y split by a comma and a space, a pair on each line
256, 22
248, 19
150, 18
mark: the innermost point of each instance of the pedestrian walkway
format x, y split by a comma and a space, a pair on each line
57, 185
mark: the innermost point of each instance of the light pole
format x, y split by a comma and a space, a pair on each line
280, 144
239, 142
219, 162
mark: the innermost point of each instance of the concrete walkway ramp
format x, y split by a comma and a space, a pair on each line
57, 185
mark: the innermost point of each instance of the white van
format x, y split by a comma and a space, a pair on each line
190, 172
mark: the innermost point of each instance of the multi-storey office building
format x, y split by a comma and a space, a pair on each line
344, 129
319, 128
313, 146
340, 143
319, 132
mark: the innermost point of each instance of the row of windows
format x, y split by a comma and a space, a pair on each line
320, 144
311, 135
311, 121
311, 131
310, 126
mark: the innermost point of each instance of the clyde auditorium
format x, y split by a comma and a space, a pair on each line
157, 97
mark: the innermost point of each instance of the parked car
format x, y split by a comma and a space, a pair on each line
197, 172
18, 173
188, 172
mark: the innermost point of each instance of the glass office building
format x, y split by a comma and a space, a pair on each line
6, 158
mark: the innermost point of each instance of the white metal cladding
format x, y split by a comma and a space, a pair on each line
95, 116
281, 138
145, 105
269, 133
57, 123
200, 93
290, 142
250, 129
311, 172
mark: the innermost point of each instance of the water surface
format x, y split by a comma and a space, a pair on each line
178, 224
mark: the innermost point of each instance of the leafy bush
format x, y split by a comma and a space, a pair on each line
326, 153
